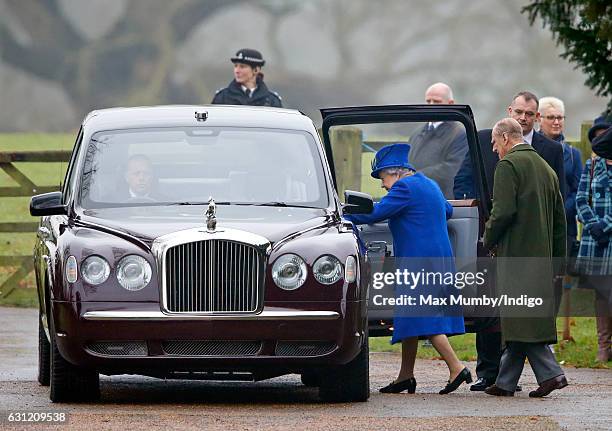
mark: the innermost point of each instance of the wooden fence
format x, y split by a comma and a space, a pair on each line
20, 264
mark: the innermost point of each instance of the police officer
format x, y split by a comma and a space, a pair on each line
248, 87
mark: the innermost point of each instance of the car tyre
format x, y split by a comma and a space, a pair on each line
311, 379
44, 353
69, 382
349, 382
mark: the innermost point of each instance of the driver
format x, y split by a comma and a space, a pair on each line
140, 179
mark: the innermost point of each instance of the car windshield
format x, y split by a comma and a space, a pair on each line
184, 166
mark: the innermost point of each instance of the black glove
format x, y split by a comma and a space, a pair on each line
597, 232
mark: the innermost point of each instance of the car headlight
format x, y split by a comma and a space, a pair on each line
95, 270
327, 269
289, 271
133, 272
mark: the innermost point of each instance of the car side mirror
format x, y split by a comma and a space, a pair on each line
47, 204
357, 203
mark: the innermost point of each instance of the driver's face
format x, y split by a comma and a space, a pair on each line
139, 176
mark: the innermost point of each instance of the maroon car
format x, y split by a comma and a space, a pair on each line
200, 243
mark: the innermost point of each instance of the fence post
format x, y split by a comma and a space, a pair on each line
346, 149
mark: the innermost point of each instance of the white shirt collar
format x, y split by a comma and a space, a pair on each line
134, 195
245, 88
528, 138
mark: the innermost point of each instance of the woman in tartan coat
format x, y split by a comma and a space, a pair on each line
594, 206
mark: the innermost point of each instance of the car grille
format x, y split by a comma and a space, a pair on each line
213, 276
304, 348
211, 348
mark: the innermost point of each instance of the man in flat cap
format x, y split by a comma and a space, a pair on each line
248, 87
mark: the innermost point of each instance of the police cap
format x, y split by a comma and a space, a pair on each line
249, 56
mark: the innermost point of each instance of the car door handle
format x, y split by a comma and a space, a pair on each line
377, 246
44, 233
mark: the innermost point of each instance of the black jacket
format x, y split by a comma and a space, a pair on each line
548, 149
233, 95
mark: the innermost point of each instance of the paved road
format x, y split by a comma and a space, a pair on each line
130, 402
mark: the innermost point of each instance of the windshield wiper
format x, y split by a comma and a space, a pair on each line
281, 204
199, 203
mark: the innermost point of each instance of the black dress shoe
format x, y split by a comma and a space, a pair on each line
518, 388
397, 387
498, 392
548, 386
481, 384
464, 376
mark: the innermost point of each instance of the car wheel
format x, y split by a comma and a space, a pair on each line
69, 382
44, 351
350, 382
310, 379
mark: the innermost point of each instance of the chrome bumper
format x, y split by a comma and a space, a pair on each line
159, 316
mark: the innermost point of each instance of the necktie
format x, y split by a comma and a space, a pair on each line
248, 92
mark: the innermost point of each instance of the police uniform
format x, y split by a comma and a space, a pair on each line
236, 94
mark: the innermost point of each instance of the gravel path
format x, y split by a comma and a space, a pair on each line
135, 403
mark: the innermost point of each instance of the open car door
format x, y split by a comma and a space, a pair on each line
444, 147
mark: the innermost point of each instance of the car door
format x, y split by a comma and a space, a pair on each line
445, 145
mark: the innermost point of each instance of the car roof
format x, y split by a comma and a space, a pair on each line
185, 116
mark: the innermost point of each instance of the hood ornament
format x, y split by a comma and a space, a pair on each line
211, 215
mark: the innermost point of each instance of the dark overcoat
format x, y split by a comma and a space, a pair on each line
527, 225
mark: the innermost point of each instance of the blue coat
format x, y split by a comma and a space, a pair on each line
417, 212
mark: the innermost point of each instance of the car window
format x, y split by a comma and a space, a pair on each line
439, 150
178, 165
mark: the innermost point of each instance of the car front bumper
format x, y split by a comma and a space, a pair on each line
283, 337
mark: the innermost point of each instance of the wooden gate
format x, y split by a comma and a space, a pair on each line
21, 264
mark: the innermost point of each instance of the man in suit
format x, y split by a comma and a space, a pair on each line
140, 180
523, 109
527, 238
439, 148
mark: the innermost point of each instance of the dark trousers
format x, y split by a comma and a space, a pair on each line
488, 348
541, 360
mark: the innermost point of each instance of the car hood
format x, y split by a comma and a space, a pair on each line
150, 222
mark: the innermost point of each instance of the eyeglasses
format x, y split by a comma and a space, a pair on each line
559, 118
520, 112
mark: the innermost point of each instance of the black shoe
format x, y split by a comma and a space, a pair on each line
548, 386
397, 387
498, 392
482, 384
519, 388
464, 376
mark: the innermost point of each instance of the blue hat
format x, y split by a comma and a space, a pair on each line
391, 156
600, 124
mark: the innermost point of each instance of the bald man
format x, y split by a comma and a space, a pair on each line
527, 227
438, 148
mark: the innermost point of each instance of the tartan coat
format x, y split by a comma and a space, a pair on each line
593, 259
527, 224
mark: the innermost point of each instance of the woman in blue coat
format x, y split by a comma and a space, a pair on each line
417, 213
